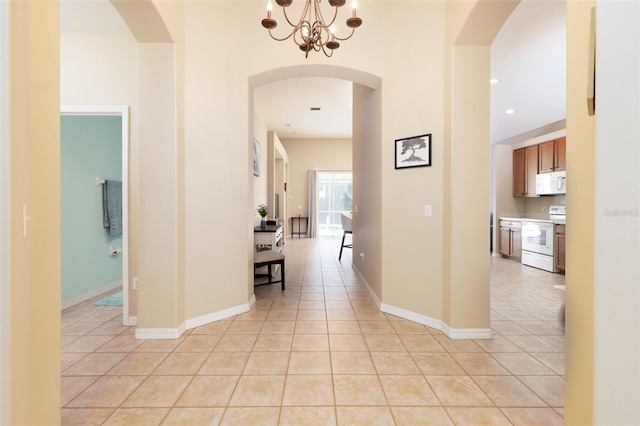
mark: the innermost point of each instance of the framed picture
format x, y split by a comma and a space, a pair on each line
413, 152
256, 158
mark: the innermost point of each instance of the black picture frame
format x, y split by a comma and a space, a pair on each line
256, 158
414, 151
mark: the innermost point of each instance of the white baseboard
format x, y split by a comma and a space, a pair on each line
174, 333
87, 296
467, 333
452, 333
132, 321
159, 333
412, 316
220, 315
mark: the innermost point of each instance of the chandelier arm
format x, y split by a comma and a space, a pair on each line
283, 38
302, 15
329, 54
296, 34
325, 36
353, 30
320, 16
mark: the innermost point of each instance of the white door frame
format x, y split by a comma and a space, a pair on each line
122, 111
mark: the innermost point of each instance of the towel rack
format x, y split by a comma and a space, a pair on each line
99, 181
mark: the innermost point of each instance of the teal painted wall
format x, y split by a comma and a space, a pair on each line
91, 146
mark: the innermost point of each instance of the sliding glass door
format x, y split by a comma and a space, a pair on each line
335, 195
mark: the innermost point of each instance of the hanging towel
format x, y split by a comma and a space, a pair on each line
112, 206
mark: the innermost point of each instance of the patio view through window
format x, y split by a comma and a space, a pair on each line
335, 195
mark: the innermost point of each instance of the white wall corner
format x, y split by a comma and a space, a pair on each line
452, 333
366, 285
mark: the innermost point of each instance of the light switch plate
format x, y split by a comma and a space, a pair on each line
428, 211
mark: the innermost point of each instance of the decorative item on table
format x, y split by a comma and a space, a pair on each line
263, 211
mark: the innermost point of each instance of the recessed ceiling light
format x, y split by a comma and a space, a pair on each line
494, 81
510, 111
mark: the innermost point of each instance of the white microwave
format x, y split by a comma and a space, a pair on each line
551, 183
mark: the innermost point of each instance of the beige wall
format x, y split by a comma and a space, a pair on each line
213, 98
277, 162
260, 134
216, 151
312, 154
34, 178
580, 261
367, 184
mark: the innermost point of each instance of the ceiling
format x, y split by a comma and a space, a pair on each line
528, 56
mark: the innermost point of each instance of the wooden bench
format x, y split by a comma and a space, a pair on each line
268, 258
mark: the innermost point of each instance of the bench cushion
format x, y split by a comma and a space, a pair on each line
267, 256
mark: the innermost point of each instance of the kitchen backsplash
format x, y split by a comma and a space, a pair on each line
538, 207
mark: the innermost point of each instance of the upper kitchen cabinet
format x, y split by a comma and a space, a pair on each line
518, 173
525, 169
560, 154
552, 156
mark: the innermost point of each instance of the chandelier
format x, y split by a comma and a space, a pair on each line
312, 31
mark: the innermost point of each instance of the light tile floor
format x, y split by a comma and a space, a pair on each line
321, 353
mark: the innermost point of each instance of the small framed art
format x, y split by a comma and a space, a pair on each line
413, 152
256, 158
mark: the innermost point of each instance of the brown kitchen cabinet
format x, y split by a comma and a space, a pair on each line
525, 169
560, 154
559, 255
510, 238
518, 173
552, 156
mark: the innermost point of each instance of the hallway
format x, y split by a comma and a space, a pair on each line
322, 353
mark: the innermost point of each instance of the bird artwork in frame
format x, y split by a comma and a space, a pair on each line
414, 151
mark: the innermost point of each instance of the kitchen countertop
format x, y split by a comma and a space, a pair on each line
527, 219
512, 219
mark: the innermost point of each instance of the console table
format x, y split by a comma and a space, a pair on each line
299, 219
268, 238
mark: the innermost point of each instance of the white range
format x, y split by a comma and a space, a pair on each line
538, 237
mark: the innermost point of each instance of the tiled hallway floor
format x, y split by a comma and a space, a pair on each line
321, 353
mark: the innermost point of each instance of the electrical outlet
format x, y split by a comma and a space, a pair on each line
135, 283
